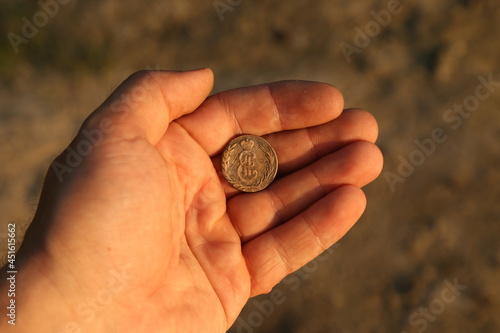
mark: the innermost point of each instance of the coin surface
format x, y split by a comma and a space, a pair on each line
249, 163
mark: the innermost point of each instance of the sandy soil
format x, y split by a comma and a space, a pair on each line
425, 256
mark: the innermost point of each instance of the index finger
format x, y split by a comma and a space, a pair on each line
261, 110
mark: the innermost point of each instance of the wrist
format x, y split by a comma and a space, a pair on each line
27, 290
39, 295
60, 288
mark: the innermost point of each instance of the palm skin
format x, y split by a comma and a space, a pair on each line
149, 201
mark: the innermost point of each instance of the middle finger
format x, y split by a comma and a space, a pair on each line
298, 148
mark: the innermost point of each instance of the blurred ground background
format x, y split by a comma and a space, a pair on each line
438, 227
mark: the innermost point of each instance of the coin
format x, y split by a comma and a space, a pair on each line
249, 163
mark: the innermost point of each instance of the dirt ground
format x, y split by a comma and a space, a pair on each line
425, 256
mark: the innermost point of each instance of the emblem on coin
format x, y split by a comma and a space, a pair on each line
249, 163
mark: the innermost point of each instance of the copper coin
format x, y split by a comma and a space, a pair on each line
249, 163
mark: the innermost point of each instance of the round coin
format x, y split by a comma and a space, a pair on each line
249, 163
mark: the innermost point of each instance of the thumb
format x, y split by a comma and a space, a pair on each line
141, 107
146, 102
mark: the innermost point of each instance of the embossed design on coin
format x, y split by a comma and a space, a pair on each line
249, 163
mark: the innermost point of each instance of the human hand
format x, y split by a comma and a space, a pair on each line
149, 201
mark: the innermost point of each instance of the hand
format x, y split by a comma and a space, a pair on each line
139, 232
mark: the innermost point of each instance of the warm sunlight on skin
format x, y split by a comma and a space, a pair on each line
140, 232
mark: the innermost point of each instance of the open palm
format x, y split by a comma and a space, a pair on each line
149, 201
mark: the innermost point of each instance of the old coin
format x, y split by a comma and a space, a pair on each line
249, 163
